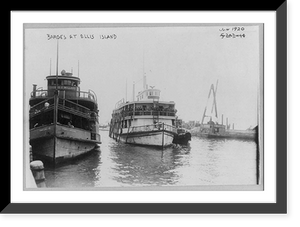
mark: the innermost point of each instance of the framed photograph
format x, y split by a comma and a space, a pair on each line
148, 112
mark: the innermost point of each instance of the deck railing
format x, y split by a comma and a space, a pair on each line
153, 127
63, 104
170, 113
89, 95
47, 104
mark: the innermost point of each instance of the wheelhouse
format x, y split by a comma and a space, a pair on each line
68, 88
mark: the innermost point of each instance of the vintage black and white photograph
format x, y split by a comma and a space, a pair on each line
143, 105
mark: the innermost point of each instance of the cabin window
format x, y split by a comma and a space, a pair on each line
67, 82
63, 83
51, 82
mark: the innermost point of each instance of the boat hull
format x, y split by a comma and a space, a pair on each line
182, 139
61, 146
147, 138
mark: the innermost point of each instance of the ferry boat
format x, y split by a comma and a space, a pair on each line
63, 120
146, 121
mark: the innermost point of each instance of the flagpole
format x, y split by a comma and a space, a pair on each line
50, 67
57, 66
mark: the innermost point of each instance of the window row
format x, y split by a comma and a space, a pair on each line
63, 83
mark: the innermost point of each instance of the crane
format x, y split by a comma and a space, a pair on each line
214, 105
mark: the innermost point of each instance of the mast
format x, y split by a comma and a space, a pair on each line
57, 66
55, 110
133, 91
50, 66
126, 91
144, 77
145, 82
78, 68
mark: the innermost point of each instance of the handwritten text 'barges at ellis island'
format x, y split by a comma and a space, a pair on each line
82, 36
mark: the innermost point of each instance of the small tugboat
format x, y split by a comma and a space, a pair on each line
182, 137
147, 121
63, 120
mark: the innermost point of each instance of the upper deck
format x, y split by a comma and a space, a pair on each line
148, 104
144, 108
149, 94
68, 88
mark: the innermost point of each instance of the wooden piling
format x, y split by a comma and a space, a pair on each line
37, 168
30, 154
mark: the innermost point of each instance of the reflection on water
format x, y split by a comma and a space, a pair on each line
78, 173
204, 162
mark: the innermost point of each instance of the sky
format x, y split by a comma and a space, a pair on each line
180, 60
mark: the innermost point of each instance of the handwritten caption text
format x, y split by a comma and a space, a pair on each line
81, 36
232, 33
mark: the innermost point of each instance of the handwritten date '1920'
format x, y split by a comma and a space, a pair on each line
232, 32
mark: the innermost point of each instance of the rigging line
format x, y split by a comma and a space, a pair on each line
215, 100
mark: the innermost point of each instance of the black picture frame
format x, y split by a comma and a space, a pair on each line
279, 207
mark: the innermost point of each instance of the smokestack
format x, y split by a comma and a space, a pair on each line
222, 119
34, 90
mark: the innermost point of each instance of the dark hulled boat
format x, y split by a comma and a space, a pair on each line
63, 120
182, 137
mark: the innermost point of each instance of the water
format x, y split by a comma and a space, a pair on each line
204, 162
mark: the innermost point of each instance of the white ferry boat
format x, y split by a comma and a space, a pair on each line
146, 121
